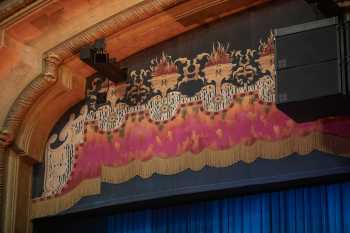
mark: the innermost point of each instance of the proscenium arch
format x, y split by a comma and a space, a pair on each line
41, 103
18, 128
54, 58
26, 127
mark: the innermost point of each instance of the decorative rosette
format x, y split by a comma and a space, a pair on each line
109, 119
162, 109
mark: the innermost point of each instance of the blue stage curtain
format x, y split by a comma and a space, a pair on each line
320, 209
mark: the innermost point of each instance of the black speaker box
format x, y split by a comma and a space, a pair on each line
310, 72
347, 48
101, 58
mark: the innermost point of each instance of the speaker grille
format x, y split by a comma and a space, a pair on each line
310, 80
310, 47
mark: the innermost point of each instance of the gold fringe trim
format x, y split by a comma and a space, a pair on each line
195, 162
51, 206
225, 158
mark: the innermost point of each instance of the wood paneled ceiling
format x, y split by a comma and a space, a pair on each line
10, 7
39, 24
164, 26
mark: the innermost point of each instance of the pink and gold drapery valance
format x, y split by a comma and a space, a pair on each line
180, 113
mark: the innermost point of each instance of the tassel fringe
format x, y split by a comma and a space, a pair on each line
195, 162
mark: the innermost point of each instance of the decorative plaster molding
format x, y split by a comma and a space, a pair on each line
2, 38
5, 139
54, 57
9, 7
15, 12
19, 10
28, 96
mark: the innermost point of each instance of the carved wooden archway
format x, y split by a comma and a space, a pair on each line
40, 104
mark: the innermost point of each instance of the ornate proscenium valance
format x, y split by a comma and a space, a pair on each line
180, 113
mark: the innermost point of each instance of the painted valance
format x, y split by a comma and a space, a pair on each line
213, 109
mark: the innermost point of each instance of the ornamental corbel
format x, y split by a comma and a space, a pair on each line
6, 138
51, 62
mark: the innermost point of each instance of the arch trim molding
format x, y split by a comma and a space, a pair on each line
53, 58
